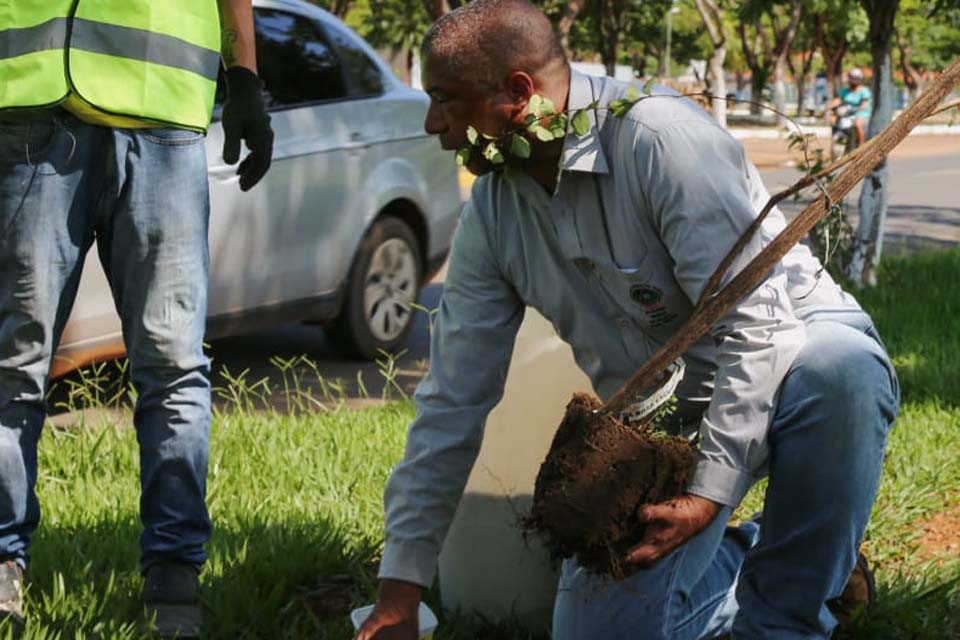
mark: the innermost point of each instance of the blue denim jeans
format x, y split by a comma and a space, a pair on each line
770, 577
142, 194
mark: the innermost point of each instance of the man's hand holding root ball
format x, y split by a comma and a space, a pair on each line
668, 525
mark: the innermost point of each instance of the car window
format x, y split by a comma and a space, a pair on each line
295, 61
363, 75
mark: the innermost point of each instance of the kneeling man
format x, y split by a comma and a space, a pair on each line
612, 236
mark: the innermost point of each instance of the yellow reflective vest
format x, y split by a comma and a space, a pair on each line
149, 60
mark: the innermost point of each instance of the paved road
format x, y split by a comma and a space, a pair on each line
924, 194
925, 197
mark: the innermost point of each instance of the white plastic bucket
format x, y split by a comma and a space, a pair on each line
486, 566
428, 621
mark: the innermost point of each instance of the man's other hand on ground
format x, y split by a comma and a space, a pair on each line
395, 616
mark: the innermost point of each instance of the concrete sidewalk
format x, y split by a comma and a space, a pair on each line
766, 152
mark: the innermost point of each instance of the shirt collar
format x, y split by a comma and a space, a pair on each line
584, 153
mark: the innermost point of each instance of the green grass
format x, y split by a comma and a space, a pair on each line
916, 308
296, 501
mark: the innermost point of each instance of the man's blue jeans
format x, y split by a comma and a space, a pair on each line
142, 194
772, 579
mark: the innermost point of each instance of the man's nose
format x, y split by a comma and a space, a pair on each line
433, 123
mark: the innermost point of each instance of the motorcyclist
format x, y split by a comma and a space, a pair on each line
855, 96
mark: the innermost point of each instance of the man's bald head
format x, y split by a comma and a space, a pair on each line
485, 40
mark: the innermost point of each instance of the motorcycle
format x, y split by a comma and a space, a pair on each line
844, 130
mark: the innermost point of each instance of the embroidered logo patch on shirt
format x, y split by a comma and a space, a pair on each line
650, 300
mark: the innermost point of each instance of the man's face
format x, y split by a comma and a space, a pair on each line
456, 103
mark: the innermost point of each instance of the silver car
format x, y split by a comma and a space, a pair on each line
355, 214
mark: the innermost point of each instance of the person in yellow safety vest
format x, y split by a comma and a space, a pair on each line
103, 109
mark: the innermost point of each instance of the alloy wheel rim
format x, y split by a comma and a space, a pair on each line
390, 289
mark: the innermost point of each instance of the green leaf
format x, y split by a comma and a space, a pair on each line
463, 156
530, 119
547, 107
559, 125
619, 107
492, 153
544, 134
519, 146
593, 105
472, 134
648, 86
581, 122
534, 105
632, 94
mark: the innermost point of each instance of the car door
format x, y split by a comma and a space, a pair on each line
277, 244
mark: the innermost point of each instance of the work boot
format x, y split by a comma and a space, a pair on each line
171, 597
11, 595
860, 594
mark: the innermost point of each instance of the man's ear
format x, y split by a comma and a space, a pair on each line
520, 88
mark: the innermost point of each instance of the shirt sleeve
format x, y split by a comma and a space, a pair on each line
470, 350
695, 177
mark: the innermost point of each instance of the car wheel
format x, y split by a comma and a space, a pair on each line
384, 282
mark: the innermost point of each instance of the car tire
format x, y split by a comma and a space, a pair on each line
384, 283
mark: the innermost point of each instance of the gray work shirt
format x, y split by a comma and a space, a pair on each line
646, 207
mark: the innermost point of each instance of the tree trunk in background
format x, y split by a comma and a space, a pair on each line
800, 78
611, 16
758, 69
831, 89
911, 77
832, 53
435, 8
873, 197
340, 8
784, 42
570, 13
716, 75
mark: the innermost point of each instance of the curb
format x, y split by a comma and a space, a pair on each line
823, 132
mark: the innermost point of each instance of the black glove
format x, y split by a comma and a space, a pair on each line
245, 118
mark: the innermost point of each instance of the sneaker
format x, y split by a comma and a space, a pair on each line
11, 595
858, 597
171, 597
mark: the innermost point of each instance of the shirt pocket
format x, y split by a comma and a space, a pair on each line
647, 294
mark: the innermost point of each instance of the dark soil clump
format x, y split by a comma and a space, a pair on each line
596, 474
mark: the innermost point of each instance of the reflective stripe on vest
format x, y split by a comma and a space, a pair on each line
121, 69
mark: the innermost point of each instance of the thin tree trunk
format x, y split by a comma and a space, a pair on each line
340, 8
570, 13
784, 42
716, 76
780, 91
435, 8
718, 84
758, 76
612, 16
911, 77
873, 197
800, 79
832, 53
